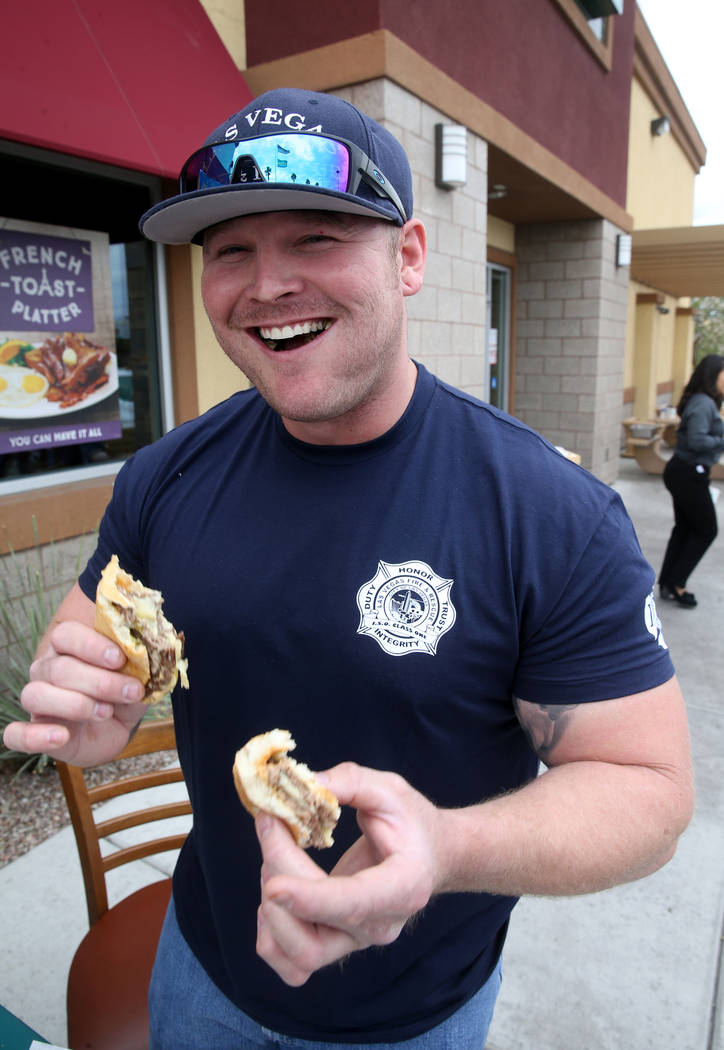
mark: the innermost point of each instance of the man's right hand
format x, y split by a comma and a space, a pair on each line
82, 707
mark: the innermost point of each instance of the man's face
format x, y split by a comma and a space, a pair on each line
310, 305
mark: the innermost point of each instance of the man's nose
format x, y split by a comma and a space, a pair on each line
273, 275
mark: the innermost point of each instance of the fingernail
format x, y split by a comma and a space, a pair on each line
101, 710
55, 737
132, 692
283, 902
111, 657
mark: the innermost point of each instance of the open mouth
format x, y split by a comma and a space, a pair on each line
291, 336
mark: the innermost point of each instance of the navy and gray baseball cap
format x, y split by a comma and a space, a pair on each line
288, 149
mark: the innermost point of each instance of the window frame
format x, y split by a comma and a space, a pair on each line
75, 475
601, 49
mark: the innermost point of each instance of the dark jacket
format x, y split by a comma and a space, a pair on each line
700, 436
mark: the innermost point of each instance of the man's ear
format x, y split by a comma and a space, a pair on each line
413, 251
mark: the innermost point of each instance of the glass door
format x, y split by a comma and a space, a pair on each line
497, 334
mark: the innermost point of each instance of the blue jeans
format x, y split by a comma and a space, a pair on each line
188, 1012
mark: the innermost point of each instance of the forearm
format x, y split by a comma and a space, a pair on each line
578, 828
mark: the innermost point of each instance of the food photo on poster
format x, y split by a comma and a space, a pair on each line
58, 369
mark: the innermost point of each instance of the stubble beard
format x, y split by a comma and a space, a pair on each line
345, 392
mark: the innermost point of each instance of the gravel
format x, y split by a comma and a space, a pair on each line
32, 805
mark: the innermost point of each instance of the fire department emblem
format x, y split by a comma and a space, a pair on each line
406, 608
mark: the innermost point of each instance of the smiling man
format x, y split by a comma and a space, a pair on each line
418, 586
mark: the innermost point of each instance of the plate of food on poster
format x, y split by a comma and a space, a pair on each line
62, 374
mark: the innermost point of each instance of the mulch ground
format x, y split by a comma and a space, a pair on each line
32, 805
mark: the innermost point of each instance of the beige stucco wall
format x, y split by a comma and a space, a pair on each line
501, 234
660, 188
660, 193
227, 17
216, 377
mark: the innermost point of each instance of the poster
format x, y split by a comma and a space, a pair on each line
58, 365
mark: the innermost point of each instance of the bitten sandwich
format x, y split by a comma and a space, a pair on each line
131, 615
268, 780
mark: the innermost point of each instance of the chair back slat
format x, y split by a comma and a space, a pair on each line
114, 788
105, 828
141, 850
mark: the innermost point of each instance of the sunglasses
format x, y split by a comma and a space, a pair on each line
301, 159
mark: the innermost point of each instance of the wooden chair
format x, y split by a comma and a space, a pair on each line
110, 973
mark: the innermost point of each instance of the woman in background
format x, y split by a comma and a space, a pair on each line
699, 443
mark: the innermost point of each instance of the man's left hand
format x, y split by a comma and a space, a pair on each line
308, 919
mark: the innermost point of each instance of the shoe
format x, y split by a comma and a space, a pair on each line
687, 600
666, 593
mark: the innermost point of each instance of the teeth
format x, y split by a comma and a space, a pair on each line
288, 331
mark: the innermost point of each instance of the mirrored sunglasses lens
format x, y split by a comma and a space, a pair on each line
302, 160
208, 167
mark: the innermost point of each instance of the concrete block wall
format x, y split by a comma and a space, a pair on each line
570, 338
447, 318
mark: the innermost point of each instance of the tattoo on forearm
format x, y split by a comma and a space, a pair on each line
543, 724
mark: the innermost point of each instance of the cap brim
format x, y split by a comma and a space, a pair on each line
181, 220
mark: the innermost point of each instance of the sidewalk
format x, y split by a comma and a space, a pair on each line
633, 968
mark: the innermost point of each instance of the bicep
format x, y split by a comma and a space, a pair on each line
646, 729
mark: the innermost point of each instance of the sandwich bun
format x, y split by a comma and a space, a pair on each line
131, 616
268, 780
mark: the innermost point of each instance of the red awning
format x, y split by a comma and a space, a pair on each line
137, 83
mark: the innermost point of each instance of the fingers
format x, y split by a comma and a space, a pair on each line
364, 789
371, 906
308, 919
35, 738
294, 949
72, 638
76, 688
295, 941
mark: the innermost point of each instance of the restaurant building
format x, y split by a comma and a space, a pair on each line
528, 301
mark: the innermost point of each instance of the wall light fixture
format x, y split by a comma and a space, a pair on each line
451, 148
660, 126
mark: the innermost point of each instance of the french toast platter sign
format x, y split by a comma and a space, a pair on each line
58, 366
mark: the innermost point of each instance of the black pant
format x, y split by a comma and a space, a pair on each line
695, 521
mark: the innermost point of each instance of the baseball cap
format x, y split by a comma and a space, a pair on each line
288, 149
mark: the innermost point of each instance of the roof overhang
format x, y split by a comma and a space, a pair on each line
681, 260
137, 84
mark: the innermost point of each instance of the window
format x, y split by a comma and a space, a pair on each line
591, 20
58, 191
497, 334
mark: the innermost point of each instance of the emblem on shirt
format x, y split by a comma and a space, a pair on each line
406, 608
652, 621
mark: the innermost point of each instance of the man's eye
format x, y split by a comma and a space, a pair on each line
231, 249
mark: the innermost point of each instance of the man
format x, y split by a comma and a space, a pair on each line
416, 585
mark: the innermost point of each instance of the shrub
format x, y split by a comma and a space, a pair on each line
31, 588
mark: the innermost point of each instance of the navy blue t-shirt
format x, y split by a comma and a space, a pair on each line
384, 602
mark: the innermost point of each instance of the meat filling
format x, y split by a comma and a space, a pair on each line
162, 656
283, 775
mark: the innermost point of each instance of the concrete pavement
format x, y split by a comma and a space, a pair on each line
634, 968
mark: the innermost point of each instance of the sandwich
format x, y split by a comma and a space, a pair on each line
131, 615
268, 780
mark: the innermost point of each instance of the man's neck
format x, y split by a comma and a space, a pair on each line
365, 423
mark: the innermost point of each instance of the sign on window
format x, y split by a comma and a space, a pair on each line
58, 366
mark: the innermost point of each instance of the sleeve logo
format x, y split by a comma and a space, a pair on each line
406, 608
652, 621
